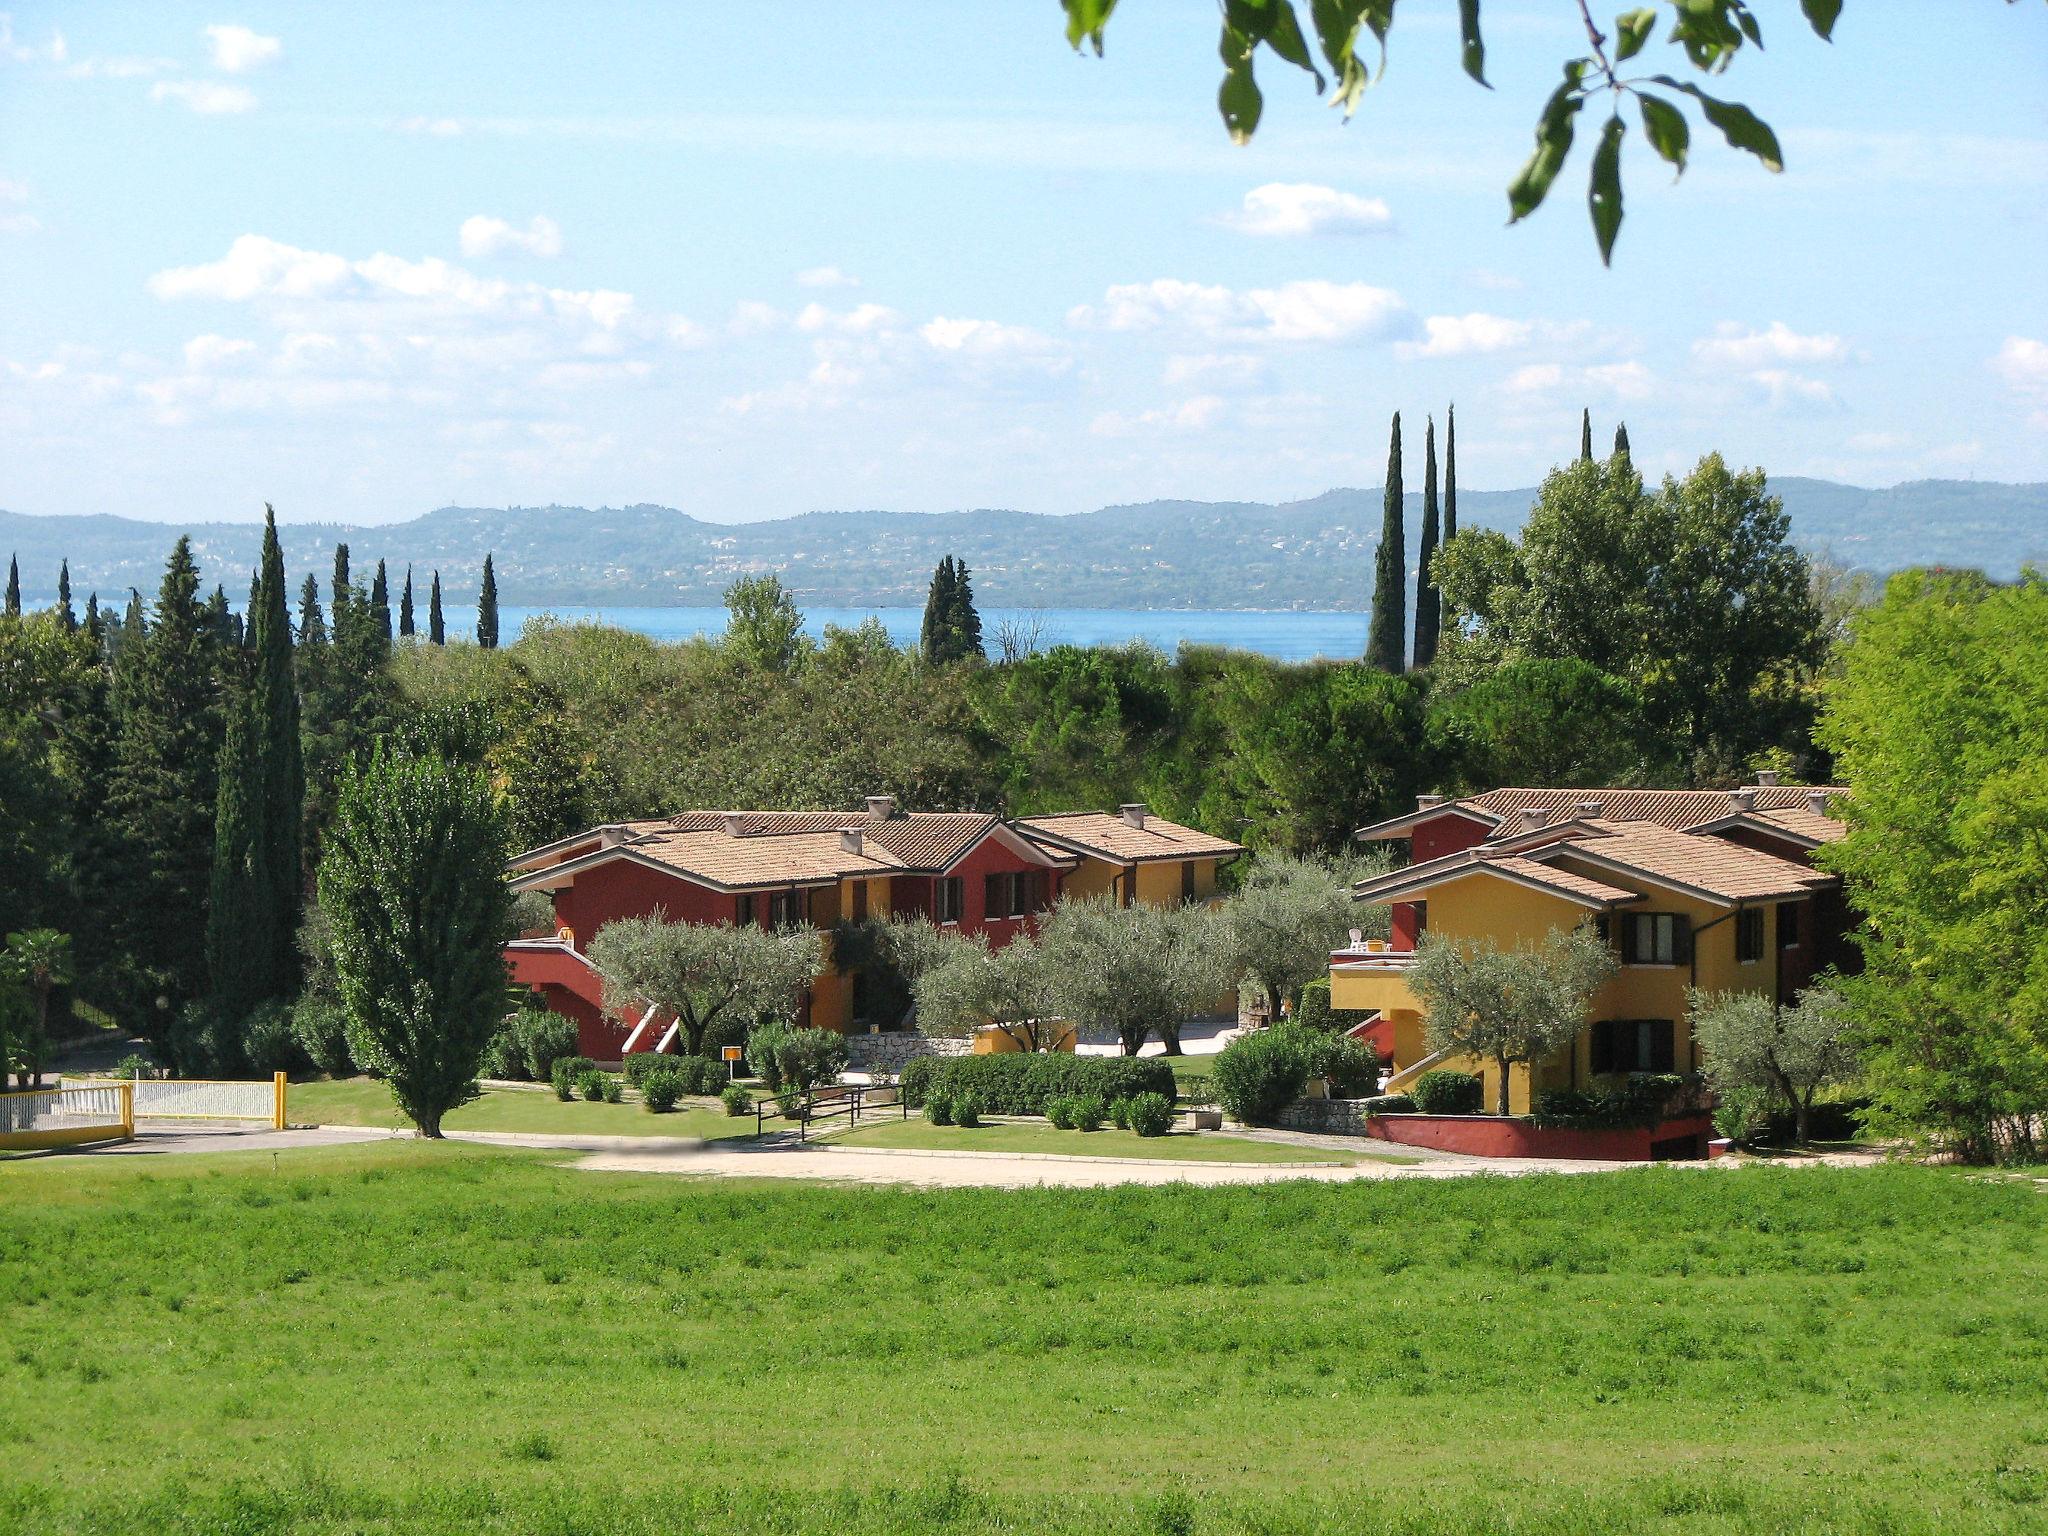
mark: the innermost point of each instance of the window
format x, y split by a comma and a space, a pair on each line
1010, 893
946, 898
1633, 1045
1749, 935
860, 901
743, 910
1788, 927
1187, 880
782, 908
1654, 938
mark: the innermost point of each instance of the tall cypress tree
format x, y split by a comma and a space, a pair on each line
1450, 474
252, 923
1387, 635
1428, 607
92, 616
346, 701
437, 630
338, 590
405, 624
935, 634
67, 618
312, 622
1621, 439
966, 617
13, 607
162, 790
380, 603
1586, 434
487, 609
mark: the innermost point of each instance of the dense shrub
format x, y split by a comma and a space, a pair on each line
1444, 1092
1260, 1073
1196, 1088
504, 1059
764, 1042
1120, 1113
1020, 1082
548, 1037
613, 1089
1059, 1109
590, 1084
938, 1108
811, 1056
1353, 1070
967, 1110
564, 1071
638, 1064
1829, 1120
322, 1027
737, 1100
1086, 1110
269, 1043
1639, 1102
659, 1090
1390, 1104
1316, 1013
1149, 1114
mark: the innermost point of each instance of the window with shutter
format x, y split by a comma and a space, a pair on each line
1749, 935
1788, 926
743, 909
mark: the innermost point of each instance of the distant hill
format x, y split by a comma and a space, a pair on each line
1315, 554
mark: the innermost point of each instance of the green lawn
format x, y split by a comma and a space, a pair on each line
365, 1101
1037, 1136
409, 1338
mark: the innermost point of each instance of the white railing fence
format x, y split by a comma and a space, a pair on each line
202, 1098
57, 1116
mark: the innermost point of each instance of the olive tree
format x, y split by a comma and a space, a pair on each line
1277, 931
976, 986
703, 973
1509, 1005
1789, 1052
1132, 970
412, 888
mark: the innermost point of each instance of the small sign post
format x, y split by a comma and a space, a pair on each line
731, 1055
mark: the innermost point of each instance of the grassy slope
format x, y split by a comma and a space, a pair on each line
418, 1338
364, 1101
1033, 1136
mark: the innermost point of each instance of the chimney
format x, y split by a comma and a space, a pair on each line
612, 836
850, 839
1533, 816
1767, 777
1591, 807
1429, 802
1134, 813
881, 807
1742, 800
1817, 801
735, 823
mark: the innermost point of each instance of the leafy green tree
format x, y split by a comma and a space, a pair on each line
1132, 971
1279, 927
1708, 33
39, 961
437, 629
417, 910
1510, 1006
1752, 1044
1547, 722
487, 609
1939, 718
258, 831
1387, 632
1428, 607
976, 986
763, 628
704, 974
405, 618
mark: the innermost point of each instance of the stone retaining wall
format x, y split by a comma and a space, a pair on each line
891, 1052
1334, 1117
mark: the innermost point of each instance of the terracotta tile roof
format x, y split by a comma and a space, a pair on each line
1678, 809
1810, 825
1110, 836
1712, 866
918, 840
769, 860
1482, 861
1565, 881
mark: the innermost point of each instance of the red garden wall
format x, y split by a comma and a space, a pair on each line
1491, 1136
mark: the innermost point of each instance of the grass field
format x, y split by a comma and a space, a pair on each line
365, 1101
1037, 1136
414, 1338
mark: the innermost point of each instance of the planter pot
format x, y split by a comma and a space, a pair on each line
1208, 1119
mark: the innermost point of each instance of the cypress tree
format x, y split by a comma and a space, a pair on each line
252, 923
966, 618
92, 617
487, 609
1621, 439
1586, 434
380, 603
1428, 609
13, 608
405, 624
162, 790
346, 702
338, 590
67, 619
1387, 635
312, 622
934, 635
221, 618
437, 631
1450, 474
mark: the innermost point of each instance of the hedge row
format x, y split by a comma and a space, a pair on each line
1019, 1082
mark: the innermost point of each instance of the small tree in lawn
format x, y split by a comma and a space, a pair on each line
1750, 1043
1279, 929
977, 986
1509, 1005
39, 961
701, 972
413, 891
1132, 970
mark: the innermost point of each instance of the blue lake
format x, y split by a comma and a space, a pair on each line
1288, 636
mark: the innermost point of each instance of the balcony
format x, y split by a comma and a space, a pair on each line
1373, 975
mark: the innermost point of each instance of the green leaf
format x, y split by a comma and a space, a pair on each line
1632, 30
1603, 191
1284, 38
1475, 45
1553, 143
1238, 99
1085, 21
1666, 129
1747, 22
1742, 128
1821, 15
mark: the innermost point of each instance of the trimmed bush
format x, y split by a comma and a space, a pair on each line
811, 1056
1353, 1070
1120, 1114
322, 1027
659, 1091
565, 1071
1020, 1082
547, 1037
1149, 1114
505, 1057
1087, 1110
1390, 1104
590, 1084
614, 1089
1637, 1104
1059, 1109
1446, 1093
938, 1109
764, 1042
967, 1111
737, 1100
1259, 1074
638, 1064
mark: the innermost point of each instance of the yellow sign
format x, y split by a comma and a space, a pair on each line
729, 1053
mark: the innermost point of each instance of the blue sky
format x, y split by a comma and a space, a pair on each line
752, 260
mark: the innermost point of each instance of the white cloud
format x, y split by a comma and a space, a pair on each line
484, 236
986, 338
2023, 363
1619, 381
1783, 387
826, 277
1462, 335
1313, 310
1197, 414
1215, 370
861, 320
56, 51
128, 68
13, 191
237, 49
206, 97
1732, 346
1299, 208
256, 267
434, 127
205, 352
